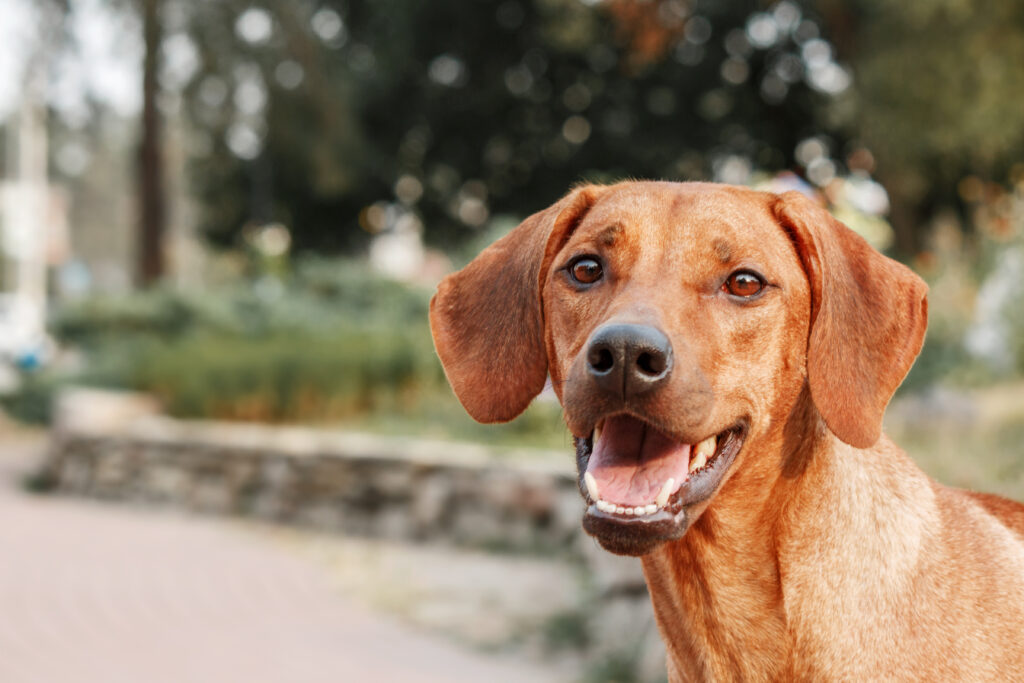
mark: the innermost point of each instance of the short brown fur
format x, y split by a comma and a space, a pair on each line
825, 553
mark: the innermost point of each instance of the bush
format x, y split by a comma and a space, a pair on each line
331, 340
287, 377
331, 343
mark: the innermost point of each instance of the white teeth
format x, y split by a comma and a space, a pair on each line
699, 461
638, 511
707, 447
591, 483
702, 451
597, 434
666, 491
631, 511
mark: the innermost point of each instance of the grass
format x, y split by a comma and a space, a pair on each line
974, 441
439, 416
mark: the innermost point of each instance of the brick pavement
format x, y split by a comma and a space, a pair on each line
90, 592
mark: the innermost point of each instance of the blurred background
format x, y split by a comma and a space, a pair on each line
234, 211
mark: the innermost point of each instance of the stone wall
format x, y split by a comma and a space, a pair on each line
385, 487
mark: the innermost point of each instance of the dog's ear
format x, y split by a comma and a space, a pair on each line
868, 318
487, 319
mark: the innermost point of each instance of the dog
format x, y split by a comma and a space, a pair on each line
724, 357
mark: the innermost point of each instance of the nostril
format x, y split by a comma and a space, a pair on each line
600, 359
652, 364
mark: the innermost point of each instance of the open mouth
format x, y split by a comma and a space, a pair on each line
639, 482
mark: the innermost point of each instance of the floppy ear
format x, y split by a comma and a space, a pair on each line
868, 318
487, 320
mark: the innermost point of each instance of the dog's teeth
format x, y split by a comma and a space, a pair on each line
597, 435
591, 483
666, 491
638, 511
702, 451
707, 447
698, 462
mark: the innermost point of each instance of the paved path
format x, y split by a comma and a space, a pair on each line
108, 593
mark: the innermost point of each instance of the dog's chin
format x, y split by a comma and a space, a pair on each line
642, 488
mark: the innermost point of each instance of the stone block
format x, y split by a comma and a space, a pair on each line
431, 501
211, 494
163, 482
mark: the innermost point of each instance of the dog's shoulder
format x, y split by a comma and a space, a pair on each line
1009, 512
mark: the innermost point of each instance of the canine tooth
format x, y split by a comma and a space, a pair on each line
707, 447
620, 510
666, 491
597, 435
698, 462
591, 483
603, 506
651, 508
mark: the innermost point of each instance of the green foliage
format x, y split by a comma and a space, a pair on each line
320, 296
617, 667
978, 450
287, 377
331, 344
567, 630
935, 98
484, 108
331, 341
32, 402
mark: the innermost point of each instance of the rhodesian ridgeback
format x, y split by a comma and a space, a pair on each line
724, 358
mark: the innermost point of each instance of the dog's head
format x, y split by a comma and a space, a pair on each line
679, 322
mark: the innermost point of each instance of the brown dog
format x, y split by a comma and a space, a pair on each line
724, 358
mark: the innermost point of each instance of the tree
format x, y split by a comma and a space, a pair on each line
339, 119
152, 190
937, 92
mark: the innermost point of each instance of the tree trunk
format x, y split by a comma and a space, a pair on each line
152, 193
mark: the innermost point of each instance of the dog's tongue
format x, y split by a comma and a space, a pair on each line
631, 461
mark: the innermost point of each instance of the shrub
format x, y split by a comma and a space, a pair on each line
287, 377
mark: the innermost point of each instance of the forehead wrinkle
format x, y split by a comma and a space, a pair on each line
607, 236
723, 251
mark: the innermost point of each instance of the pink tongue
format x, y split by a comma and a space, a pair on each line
632, 461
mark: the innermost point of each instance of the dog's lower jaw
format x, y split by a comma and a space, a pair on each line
619, 541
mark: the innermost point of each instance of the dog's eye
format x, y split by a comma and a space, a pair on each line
586, 270
744, 283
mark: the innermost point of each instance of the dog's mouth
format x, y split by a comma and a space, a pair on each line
639, 483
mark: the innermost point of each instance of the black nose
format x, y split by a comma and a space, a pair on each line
628, 360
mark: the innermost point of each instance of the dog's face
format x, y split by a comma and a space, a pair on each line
679, 323
674, 316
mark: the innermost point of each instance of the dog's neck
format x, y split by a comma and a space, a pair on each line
717, 595
725, 595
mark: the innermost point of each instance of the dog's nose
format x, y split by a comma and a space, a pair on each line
628, 360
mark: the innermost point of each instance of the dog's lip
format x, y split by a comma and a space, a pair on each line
671, 520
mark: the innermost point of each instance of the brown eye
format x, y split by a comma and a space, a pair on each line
586, 270
744, 283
